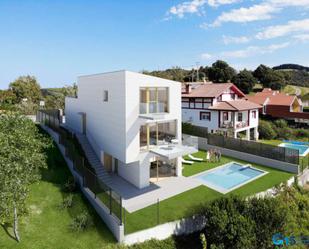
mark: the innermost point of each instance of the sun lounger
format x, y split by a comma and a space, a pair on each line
186, 162
195, 158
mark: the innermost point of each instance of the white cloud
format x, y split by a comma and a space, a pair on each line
242, 15
257, 12
190, 7
206, 56
302, 37
254, 50
284, 30
234, 39
286, 3
196, 7
216, 3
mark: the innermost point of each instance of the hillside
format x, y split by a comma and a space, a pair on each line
291, 67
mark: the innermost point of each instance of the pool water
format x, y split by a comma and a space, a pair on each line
303, 149
228, 177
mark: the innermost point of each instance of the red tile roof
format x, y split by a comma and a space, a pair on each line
275, 98
212, 90
235, 105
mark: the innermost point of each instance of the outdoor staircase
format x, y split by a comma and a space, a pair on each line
93, 159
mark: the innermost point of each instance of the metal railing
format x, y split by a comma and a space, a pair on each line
73, 150
251, 147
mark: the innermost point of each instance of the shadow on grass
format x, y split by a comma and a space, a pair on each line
6, 230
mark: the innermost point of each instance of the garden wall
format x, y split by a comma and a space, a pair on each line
160, 232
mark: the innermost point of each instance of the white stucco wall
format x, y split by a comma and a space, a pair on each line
193, 116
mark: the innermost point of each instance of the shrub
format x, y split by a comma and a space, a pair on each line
69, 186
67, 202
81, 222
284, 133
301, 133
266, 131
281, 123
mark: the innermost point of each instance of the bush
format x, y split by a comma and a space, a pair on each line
69, 186
301, 133
284, 133
281, 123
266, 131
67, 202
81, 222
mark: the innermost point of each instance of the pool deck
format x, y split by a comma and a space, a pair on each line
134, 199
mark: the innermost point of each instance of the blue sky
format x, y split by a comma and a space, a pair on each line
58, 40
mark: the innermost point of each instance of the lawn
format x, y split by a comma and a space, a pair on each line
46, 225
182, 205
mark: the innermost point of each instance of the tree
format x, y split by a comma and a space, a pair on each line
260, 72
26, 87
245, 81
266, 131
21, 158
273, 79
221, 72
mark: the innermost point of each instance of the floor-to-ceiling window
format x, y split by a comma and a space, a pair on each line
153, 100
157, 133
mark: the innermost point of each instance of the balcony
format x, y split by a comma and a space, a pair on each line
230, 124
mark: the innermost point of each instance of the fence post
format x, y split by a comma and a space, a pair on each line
158, 211
120, 199
110, 201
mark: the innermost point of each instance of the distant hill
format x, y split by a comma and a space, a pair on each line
291, 67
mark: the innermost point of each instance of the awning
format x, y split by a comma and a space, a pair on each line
172, 151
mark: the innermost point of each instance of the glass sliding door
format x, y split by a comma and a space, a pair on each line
154, 134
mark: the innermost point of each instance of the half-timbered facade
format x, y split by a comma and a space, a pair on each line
220, 107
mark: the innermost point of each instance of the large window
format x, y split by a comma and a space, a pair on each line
157, 134
153, 100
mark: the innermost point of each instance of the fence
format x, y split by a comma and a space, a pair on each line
73, 150
251, 147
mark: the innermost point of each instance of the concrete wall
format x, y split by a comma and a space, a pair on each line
111, 222
288, 167
160, 232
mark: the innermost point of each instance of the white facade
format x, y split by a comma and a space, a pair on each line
110, 104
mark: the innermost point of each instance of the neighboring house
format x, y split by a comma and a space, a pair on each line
133, 122
220, 107
280, 105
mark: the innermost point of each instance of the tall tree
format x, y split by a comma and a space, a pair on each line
220, 72
21, 158
260, 72
26, 87
245, 81
273, 79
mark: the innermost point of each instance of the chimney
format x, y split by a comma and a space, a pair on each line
188, 88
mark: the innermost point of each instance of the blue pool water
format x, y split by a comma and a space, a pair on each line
302, 148
228, 177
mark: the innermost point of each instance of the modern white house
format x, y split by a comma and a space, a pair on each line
220, 107
133, 122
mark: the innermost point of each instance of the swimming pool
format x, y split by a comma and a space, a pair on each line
302, 148
229, 176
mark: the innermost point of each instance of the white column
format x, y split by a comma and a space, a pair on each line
178, 167
256, 133
235, 134
248, 134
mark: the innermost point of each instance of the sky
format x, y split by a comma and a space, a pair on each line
57, 41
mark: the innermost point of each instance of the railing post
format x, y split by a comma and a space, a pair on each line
120, 200
110, 201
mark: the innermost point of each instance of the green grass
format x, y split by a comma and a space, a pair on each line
46, 225
182, 205
271, 142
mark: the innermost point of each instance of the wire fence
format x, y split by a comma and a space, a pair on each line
73, 150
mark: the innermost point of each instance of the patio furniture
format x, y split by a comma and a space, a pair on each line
186, 161
193, 158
